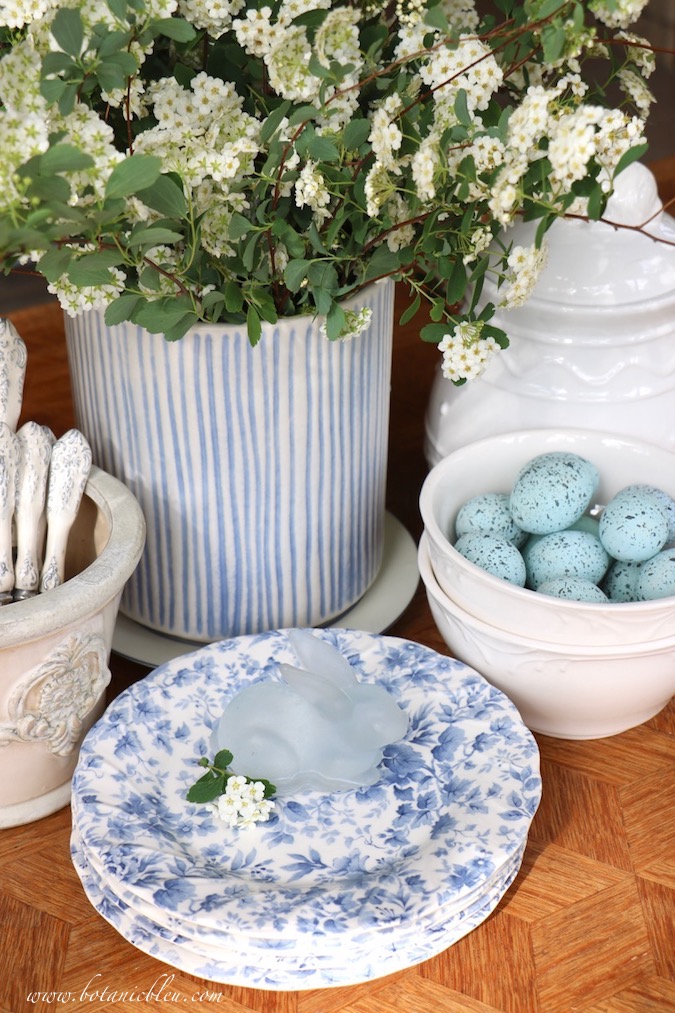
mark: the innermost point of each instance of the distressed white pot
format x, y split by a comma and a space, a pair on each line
54, 651
593, 348
261, 471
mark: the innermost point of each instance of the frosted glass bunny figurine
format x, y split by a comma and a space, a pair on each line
317, 727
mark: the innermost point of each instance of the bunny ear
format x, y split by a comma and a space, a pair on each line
319, 656
330, 701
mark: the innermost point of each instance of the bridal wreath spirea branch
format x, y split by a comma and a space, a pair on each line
230, 160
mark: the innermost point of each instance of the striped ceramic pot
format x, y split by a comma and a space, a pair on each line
261, 471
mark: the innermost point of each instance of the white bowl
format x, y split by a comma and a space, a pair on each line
54, 651
568, 691
491, 465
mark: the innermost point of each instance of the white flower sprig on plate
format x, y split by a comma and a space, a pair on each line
238, 800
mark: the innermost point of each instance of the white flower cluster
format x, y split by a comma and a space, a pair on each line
466, 353
311, 190
524, 265
243, 803
619, 14
572, 135
17, 13
356, 322
75, 300
214, 16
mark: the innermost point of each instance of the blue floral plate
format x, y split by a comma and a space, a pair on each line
273, 969
445, 823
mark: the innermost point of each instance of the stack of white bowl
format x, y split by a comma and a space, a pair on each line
573, 669
337, 888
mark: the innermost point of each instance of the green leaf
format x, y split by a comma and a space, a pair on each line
174, 28
223, 759
462, 108
411, 310
356, 133
335, 321
116, 71
112, 42
55, 263
165, 196
137, 172
435, 18
323, 301
295, 273
65, 158
94, 268
68, 31
239, 226
457, 282
57, 63
271, 124
161, 315
207, 788
597, 202
322, 149
121, 309
181, 327
322, 276
630, 156
253, 325
52, 90
301, 114
434, 333
120, 8
154, 235
54, 189
234, 297
553, 40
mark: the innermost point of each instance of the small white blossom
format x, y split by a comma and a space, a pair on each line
311, 190
356, 322
524, 264
619, 14
243, 803
76, 300
466, 353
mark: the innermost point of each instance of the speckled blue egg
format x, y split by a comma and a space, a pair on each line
565, 554
552, 491
657, 577
633, 526
494, 554
574, 588
489, 513
665, 500
619, 584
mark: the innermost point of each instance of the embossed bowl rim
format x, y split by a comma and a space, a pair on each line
516, 609
98, 583
528, 644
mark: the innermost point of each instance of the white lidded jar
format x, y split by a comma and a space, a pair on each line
594, 346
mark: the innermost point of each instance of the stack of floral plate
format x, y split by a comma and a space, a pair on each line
337, 888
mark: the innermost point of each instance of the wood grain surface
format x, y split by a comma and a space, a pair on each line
589, 923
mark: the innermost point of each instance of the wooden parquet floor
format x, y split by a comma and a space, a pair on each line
589, 923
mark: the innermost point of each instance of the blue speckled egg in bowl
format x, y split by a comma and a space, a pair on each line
491, 466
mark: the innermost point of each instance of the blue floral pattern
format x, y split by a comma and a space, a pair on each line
442, 830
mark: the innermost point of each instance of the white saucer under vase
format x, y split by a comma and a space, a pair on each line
384, 601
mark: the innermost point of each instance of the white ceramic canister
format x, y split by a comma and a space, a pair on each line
261, 471
594, 346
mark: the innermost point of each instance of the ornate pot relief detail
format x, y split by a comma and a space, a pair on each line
50, 706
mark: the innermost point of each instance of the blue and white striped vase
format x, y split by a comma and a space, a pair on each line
261, 471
